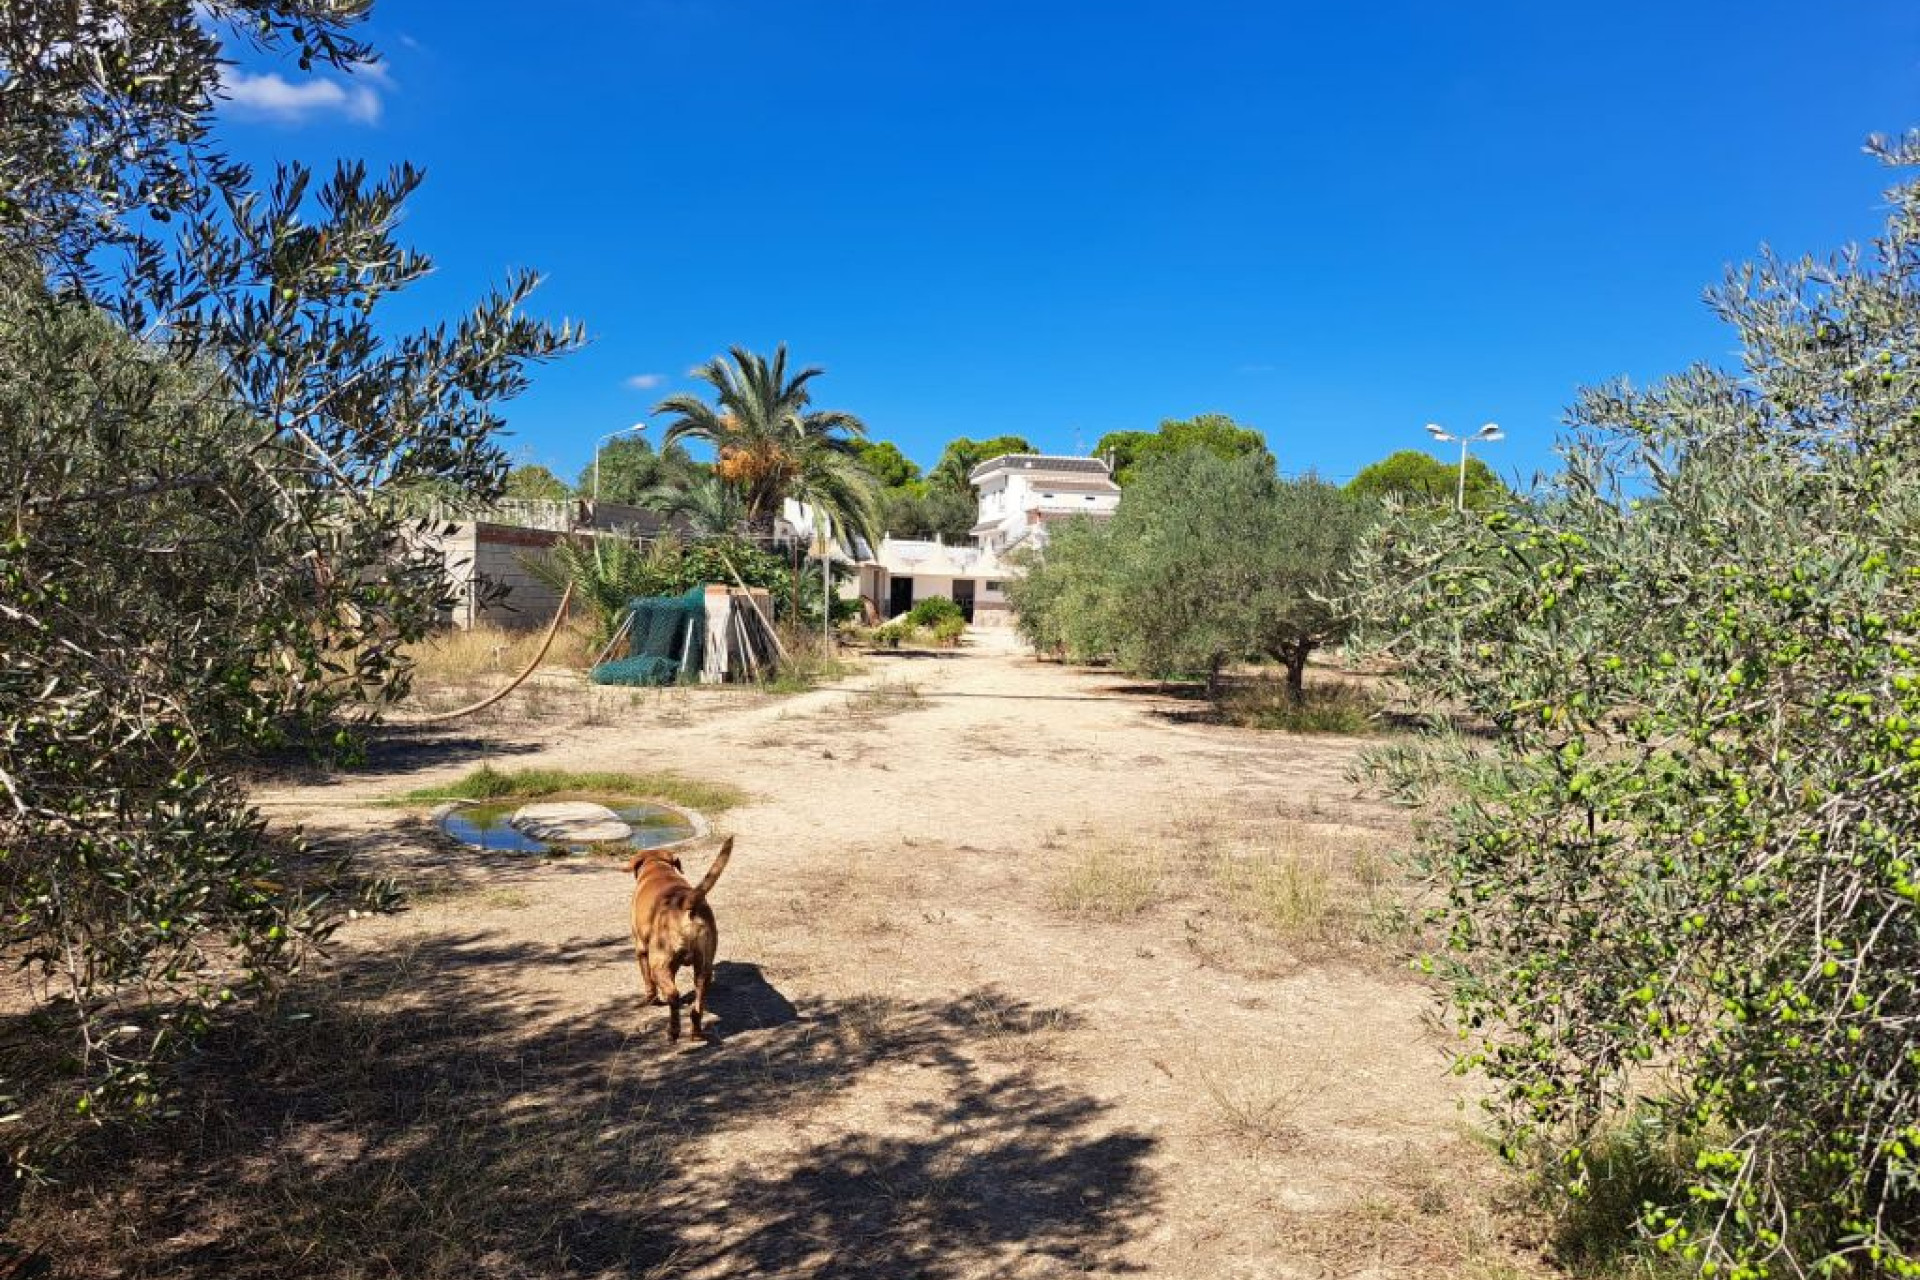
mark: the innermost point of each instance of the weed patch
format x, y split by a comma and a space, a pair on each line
1323, 708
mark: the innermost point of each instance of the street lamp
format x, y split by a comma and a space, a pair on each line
638, 426
1485, 435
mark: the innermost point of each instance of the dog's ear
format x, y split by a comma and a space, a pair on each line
675, 860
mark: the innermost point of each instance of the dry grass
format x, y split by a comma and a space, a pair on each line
1109, 882
885, 698
1327, 707
356, 1132
1299, 883
1258, 1102
809, 664
456, 657
1308, 888
1012, 1032
1425, 1216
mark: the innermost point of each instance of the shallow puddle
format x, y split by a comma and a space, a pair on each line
489, 826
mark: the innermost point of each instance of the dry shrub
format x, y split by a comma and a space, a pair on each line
1259, 1103
1336, 707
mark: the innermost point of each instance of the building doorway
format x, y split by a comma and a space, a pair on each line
899, 596
963, 596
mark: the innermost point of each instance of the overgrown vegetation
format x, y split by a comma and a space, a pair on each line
1678, 870
607, 572
489, 783
808, 665
944, 633
458, 655
1208, 561
210, 441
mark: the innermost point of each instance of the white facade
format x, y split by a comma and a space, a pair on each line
1021, 493
909, 570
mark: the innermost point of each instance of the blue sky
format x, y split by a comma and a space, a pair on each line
1334, 222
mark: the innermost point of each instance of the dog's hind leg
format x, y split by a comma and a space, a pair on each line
702, 978
646, 974
670, 993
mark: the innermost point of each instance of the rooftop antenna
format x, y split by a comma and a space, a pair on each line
1079, 443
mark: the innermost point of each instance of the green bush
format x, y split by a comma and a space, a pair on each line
947, 631
1677, 861
932, 611
888, 636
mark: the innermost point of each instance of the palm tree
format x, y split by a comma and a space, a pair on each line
772, 446
710, 505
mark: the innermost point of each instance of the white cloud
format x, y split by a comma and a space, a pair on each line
375, 71
646, 381
273, 96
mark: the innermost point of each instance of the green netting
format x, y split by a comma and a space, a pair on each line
666, 641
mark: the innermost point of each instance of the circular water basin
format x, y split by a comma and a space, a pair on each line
494, 826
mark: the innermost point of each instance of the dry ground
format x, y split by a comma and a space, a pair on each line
1021, 976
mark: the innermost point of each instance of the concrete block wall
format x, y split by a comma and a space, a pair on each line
497, 559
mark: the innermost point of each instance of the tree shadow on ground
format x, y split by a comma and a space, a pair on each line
396, 749
415, 1116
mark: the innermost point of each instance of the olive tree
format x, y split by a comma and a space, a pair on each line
208, 447
1677, 868
1209, 560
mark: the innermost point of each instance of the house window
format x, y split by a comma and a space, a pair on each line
994, 586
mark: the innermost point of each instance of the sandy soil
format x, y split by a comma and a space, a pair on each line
922, 1065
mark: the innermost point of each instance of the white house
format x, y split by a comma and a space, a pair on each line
909, 570
1021, 493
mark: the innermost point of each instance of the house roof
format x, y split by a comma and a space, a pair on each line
1039, 462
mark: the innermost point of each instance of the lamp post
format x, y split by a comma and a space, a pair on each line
638, 426
1485, 435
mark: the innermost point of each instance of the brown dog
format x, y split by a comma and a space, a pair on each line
673, 928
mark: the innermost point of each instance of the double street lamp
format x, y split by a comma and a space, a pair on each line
1485, 435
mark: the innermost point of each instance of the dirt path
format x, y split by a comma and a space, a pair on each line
923, 1067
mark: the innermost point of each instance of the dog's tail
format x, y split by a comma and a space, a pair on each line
713, 872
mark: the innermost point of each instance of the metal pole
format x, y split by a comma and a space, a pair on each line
601, 444
826, 594
1460, 498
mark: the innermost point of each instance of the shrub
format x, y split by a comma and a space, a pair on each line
932, 611
890, 636
947, 631
1679, 859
